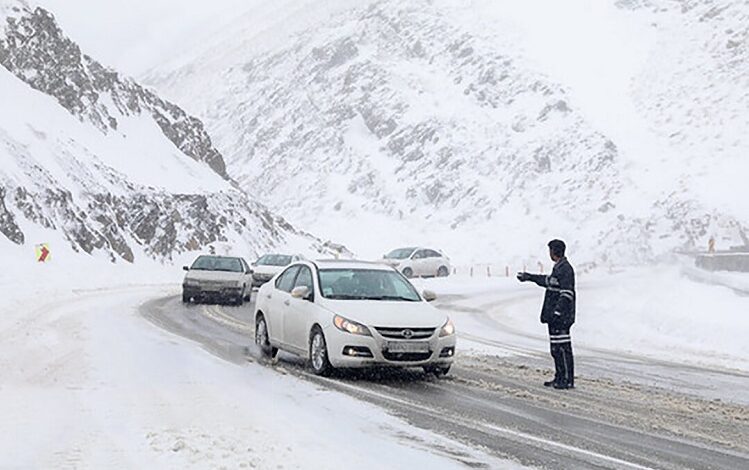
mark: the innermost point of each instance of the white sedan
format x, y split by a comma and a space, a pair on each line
419, 262
341, 314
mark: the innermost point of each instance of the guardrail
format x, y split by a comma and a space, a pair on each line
726, 261
498, 269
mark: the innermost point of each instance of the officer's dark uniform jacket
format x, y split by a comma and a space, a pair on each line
558, 310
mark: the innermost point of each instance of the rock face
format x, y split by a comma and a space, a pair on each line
395, 110
36, 51
400, 112
59, 174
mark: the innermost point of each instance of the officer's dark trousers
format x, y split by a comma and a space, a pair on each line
561, 351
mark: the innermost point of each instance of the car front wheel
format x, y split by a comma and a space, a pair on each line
408, 272
443, 271
262, 339
318, 353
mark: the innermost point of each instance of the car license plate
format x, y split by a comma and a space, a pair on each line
407, 346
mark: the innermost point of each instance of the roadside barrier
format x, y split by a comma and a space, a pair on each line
486, 270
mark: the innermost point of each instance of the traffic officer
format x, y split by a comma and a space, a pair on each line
558, 312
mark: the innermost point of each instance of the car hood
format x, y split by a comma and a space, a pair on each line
392, 261
388, 313
197, 275
265, 269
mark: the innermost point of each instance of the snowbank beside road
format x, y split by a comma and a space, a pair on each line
653, 312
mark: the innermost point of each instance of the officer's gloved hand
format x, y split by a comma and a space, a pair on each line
522, 277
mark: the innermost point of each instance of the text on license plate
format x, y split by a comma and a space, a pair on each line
407, 346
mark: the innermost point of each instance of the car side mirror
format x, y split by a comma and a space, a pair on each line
185, 268
301, 292
429, 296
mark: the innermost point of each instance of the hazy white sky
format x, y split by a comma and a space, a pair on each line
135, 35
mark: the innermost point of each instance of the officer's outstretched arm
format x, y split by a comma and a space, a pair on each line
539, 279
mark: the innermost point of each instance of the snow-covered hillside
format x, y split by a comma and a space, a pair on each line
106, 165
694, 90
401, 122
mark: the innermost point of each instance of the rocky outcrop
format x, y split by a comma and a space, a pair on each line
35, 49
8, 226
59, 180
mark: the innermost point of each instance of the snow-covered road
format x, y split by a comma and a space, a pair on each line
128, 377
497, 403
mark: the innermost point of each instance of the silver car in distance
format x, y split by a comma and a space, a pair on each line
217, 279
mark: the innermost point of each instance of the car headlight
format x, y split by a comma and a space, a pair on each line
352, 327
447, 329
191, 283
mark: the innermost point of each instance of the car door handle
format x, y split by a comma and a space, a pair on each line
286, 302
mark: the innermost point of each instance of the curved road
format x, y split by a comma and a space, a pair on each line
498, 404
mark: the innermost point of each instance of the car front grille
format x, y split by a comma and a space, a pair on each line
215, 285
406, 357
406, 333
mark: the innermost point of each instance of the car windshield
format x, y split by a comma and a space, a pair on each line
366, 284
216, 263
400, 253
274, 260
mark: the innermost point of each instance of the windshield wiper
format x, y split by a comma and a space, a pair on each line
393, 297
346, 297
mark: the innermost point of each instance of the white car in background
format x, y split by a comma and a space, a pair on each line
269, 265
342, 314
419, 262
217, 279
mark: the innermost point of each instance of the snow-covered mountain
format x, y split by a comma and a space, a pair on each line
106, 165
400, 122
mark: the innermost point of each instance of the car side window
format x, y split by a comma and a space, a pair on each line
304, 278
285, 281
433, 254
420, 254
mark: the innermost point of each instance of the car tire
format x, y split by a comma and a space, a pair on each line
318, 353
443, 271
438, 371
408, 272
185, 298
262, 340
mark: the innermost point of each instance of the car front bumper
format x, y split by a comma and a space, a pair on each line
199, 293
354, 351
258, 279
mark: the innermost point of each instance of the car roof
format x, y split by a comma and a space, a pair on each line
350, 264
219, 256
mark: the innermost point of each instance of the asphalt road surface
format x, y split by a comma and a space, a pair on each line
626, 412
